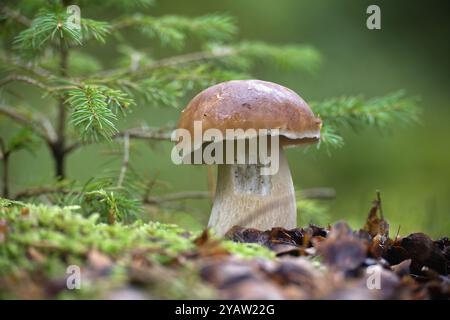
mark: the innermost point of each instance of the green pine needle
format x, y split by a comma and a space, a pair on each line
355, 112
95, 109
174, 30
51, 25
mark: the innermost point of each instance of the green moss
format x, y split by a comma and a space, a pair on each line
248, 250
40, 242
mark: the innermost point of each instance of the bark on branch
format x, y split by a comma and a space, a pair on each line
41, 126
135, 133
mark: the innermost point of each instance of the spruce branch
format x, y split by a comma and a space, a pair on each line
173, 61
52, 25
94, 29
34, 82
173, 30
140, 133
288, 57
29, 80
91, 114
380, 111
94, 110
117, 206
45, 27
166, 80
329, 138
285, 57
354, 112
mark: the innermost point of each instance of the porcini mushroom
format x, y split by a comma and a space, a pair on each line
244, 196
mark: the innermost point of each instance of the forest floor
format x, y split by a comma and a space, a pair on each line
38, 244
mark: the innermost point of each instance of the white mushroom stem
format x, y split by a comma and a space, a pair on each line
246, 198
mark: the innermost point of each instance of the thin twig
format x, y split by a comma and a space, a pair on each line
189, 58
42, 127
313, 193
168, 62
143, 133
27, 66
136, 133
29, 80
34, 192
34, 82
125, 161
16, 116
48, 127
317, 193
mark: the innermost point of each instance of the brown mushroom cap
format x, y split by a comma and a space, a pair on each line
253, 104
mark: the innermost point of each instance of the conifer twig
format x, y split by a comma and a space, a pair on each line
126, 159
168, 62
34, 82
135, 133
29, 80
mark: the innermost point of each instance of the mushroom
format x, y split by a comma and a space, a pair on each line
244, 195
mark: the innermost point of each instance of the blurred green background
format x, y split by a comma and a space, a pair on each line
409, 165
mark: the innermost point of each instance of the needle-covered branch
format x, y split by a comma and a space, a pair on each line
237, 57
141, 133
173, 30
355, 112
